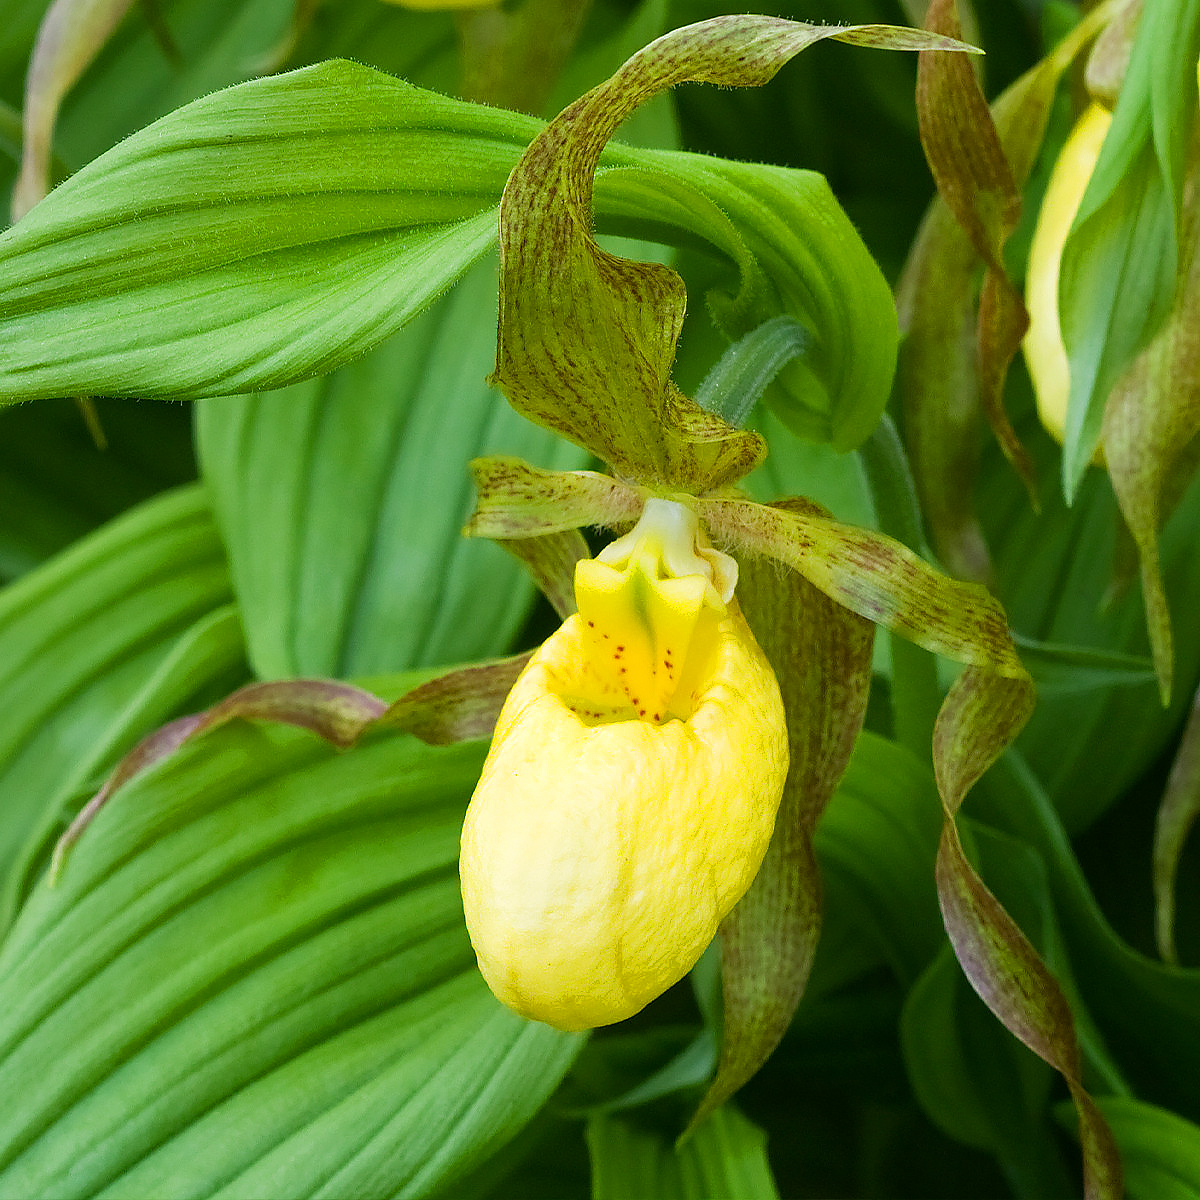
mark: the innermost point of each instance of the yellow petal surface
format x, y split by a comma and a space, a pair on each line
1045, 353
607, 839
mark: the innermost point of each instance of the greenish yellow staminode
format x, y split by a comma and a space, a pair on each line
632, 784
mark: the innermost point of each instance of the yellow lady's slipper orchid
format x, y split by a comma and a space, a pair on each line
632, 784
1045, 353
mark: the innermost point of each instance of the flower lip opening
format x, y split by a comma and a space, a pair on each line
650, 605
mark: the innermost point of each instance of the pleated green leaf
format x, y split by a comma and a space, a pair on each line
725, 1157
342, 502
97, 646
254, 979
257, 236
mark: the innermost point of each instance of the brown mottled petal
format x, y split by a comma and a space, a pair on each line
952, 368
587, 340
982, 714
338, 712
550, 558
873, 576
459, 705
821, 653
520, 501
938, 377
973, 176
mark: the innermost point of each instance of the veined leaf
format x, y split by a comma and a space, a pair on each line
253, 979
97, 646
260, 235
342, 502
726, 1156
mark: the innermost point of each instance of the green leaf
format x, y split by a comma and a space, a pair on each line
1147, 1012
880, 836
260, 235
150, 274
978, 1084
97, 646
794, 467
1160, 1150
1058, 669
1120, 261
1088, 747
342, 502
254, 979
726, 1156
736, 384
